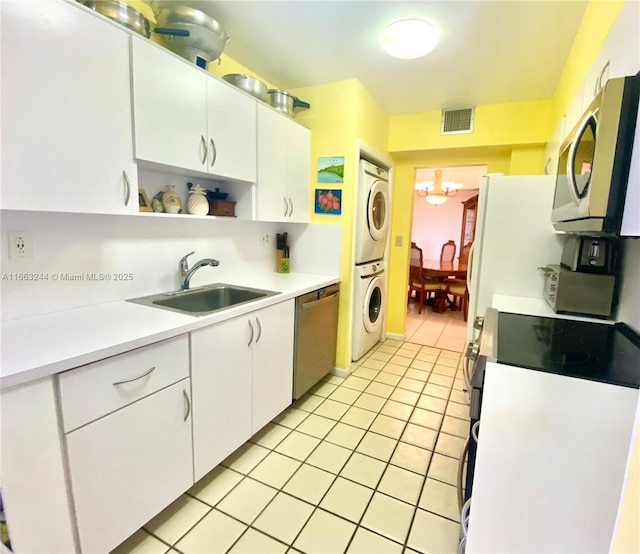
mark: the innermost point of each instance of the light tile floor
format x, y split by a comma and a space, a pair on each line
364, 464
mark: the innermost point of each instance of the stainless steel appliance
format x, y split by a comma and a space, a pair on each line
589, 254
576, 292
315, 337
593, 167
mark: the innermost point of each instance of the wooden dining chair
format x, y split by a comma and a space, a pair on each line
422, 287
464, 253
458, 289
448, 251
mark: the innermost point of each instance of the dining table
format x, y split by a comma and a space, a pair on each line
442, 271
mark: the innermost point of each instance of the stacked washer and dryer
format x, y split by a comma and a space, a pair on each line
373, 213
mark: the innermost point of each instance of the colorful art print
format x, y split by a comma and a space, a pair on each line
331, 169
328, 202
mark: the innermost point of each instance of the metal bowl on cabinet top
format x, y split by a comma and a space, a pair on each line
253, 86
285, 102
205, 38
121, 13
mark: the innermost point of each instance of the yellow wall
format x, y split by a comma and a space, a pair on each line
514, 123
509, 138
341, 113
596, 23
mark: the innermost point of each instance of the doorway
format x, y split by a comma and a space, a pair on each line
432, 226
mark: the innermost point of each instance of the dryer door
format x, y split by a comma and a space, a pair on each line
372, 305
378, 210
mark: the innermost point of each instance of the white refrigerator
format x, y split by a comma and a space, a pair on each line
514, 236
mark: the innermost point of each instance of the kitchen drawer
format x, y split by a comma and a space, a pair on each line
94, 390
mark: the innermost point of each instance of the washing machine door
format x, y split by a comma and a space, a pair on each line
372, 305
378, 210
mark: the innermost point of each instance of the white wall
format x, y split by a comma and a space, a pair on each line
149, 249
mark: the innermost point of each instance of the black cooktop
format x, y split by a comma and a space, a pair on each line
587, 350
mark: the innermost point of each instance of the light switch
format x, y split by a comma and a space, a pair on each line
399, 240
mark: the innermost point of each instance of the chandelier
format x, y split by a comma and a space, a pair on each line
436, 191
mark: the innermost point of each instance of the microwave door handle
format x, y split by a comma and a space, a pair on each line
571, 178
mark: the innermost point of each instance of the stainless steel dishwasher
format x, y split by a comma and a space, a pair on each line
315, 337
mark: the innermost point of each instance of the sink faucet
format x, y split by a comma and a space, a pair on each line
186, 273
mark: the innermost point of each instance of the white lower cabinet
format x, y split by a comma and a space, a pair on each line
272, 383
221, 376
550, 464
129, 465
242, 372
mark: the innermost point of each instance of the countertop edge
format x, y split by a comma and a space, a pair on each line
101, 340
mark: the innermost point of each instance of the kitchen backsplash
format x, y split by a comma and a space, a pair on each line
79, 260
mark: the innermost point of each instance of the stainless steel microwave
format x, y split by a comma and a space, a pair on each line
594, 161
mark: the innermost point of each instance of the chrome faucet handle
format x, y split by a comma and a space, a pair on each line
184, 264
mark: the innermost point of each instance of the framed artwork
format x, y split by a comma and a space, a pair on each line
331, 169
143, 202
328, 201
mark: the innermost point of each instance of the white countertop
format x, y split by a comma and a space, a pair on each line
534, 306
41, 346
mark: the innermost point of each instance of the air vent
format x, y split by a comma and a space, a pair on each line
457, 122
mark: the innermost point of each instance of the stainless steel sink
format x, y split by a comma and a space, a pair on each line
204, 300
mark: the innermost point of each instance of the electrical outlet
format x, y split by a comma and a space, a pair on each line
20, 245
264, 239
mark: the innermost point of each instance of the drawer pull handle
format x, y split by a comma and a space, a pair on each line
134, 378
286, 206
186, 397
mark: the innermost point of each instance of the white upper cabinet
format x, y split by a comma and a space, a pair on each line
169, 108
187, 119
231, 123
619, 55
66, 109
284, 148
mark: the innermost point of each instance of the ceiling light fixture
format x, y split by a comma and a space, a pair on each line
408, 38
436, 191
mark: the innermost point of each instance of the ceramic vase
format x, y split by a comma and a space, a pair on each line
171, 200
197, 203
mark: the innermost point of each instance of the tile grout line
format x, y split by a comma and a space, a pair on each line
353, 449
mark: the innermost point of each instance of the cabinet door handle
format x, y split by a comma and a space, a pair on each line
463, 455
251, 338
188, 404
127, 188
546, 167
214, 152
286, 206
259, 329
204, 149
134, 378
599, 84
290, 207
